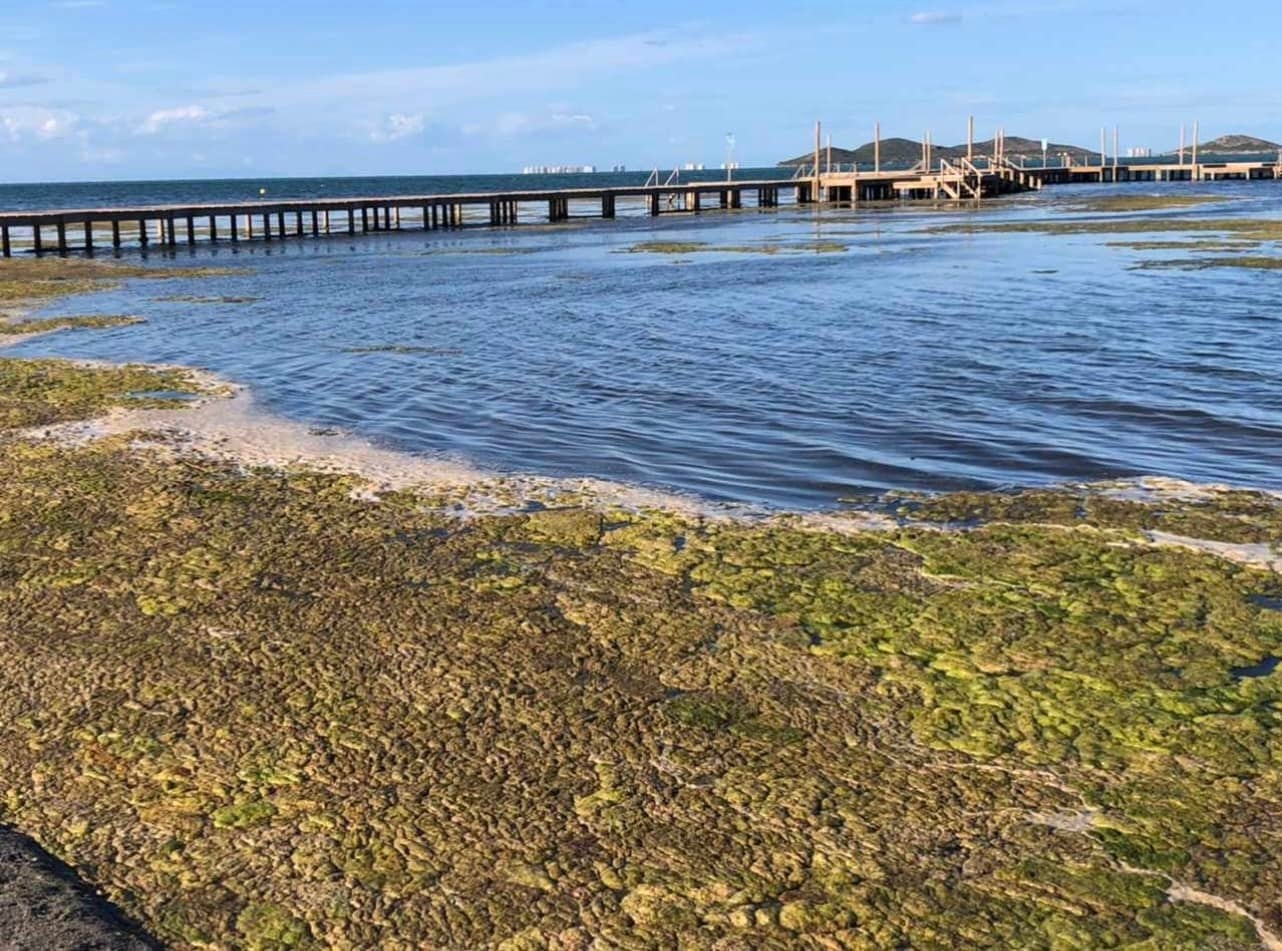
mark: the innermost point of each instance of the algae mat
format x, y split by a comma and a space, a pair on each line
259, 712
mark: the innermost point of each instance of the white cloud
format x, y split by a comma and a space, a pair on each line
163, 118
934, 17
26, 122
396, 126
526, 123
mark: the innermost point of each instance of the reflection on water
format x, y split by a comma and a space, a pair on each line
908, 360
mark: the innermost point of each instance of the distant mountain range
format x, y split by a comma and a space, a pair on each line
897, 151
901, 152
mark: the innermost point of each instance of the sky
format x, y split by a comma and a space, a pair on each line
144, 89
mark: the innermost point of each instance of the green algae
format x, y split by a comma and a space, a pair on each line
43, 392
1254, 262
50, 324
697, 247
44, 279
1255, 230
1133, 203
199, 299
258, 712
404, 349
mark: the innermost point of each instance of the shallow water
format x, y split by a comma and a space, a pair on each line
907, 361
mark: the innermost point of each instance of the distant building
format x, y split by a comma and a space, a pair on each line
692, 167
730, 166
557, 169
619, 168
1139, 153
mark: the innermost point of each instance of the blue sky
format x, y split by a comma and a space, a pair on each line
111, 89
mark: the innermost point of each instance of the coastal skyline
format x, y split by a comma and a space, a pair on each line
109, 89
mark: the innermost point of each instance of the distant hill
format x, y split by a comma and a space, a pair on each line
901, 152
1238, 145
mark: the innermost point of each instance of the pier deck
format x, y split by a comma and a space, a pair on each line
86, 229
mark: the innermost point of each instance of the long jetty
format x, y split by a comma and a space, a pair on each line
86, 229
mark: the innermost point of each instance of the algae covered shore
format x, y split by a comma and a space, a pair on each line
279, 708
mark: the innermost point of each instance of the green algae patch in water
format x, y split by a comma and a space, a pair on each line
1134, 203
768, 248
1253, 262
44, 392
44, 279
50, 324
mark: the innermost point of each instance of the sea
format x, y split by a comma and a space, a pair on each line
789, 358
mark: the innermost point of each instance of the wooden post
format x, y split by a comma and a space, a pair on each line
364, 219
327, 231
89, 237
172, 235
213, 229
37, 240
62, 237
191, 230
235, 227
249, 226
267, 226
818, 134
115, 234
6, 249
142, 232
298, 223
315, 223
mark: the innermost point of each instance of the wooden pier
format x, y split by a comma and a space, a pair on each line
88, 229
972, 178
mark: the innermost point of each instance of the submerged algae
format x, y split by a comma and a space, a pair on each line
259, 712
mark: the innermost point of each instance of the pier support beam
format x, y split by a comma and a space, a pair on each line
62, 237
191, 231
142, 232
656, 204
213, 229
89, 237
315, 223
37, 240
6, 248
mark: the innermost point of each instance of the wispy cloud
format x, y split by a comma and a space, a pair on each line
26, 122
935, 17
164, 118
12, 80
397, 126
